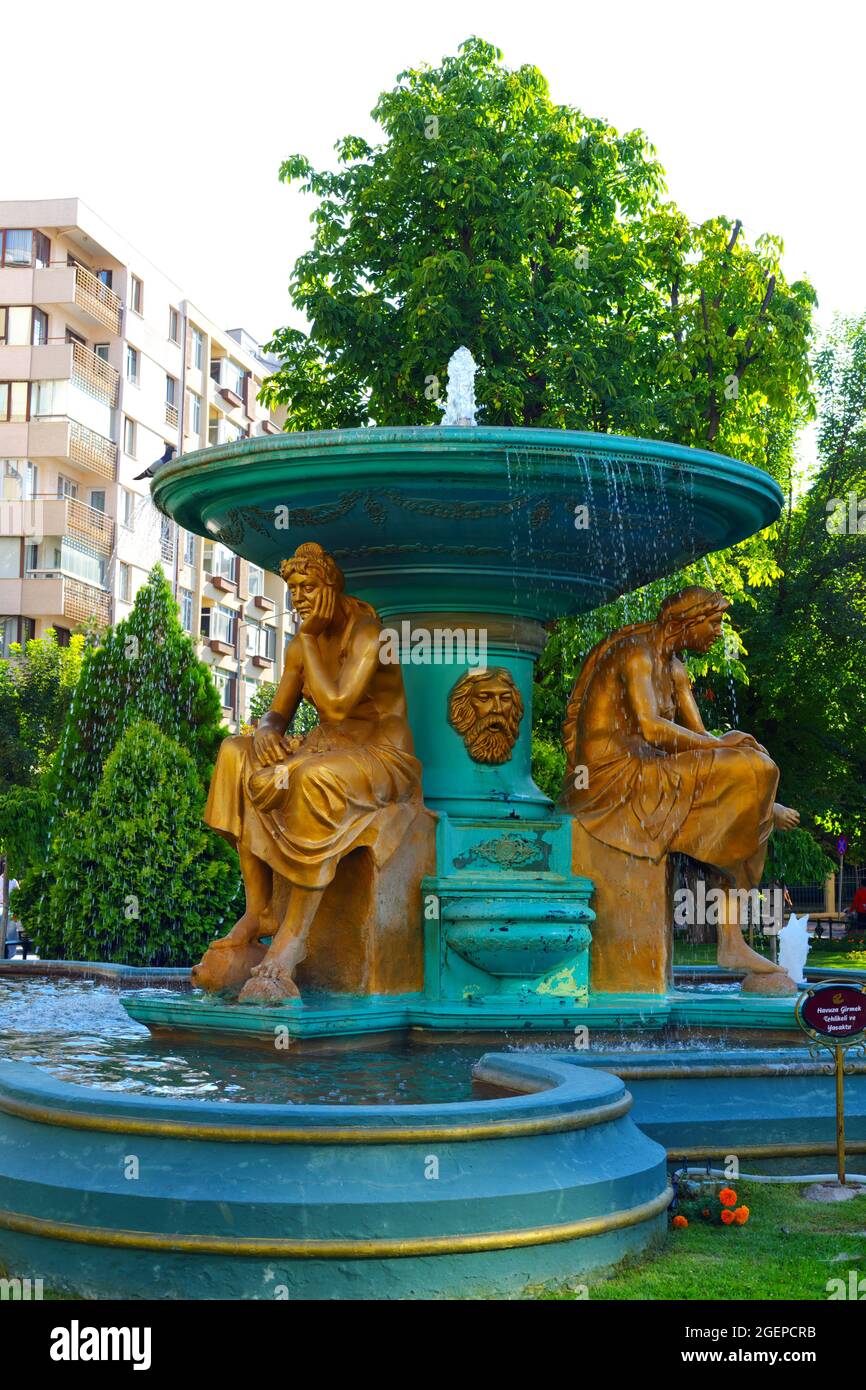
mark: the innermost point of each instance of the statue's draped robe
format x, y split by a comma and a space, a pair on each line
337, 792
715, 804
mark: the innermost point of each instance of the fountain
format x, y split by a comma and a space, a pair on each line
405, 876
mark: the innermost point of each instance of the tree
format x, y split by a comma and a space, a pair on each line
36, 686
144, 672
138, 878
145, 669
541, 239
544, 241
806, 634
37, 682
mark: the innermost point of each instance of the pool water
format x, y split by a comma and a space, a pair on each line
78, 1031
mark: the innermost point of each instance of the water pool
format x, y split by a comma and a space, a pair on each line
78, 1031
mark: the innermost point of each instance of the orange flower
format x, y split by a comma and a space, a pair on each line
728, 1197
679, 1223
706, 1213
741, 1215
727, 1217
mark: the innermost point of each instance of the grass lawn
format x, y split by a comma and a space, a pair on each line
789, 1248
685, 953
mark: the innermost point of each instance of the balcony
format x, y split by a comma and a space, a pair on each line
59, 438
47, 594
58, 516
70, 287
96, 301
92, 451
94, 375
171, 415
61, 361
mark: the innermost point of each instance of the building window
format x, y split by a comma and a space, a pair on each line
66, 487
127, 508
19, 247
137, 295
174, 325
197, 340
226, 684
250, 688
194, 414
132, 365
102, 350
189, 548
23, 326
256, 581
15, 400
260, 640
125, 582
223, 624
20, 480
14, 629
219, 560
186, 609
97, 499
129, 436
166, 538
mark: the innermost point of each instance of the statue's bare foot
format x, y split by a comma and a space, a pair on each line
785, 817
269, 983
245, 930
734, 954
226, 965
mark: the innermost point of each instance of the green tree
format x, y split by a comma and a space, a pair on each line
37, 682
806, 634
138, 878
543, 240
145, 669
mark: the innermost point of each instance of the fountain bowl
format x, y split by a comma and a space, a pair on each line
458, 517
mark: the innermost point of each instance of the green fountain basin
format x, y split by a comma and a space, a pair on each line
443, 519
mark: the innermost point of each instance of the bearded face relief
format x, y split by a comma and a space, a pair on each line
485, 708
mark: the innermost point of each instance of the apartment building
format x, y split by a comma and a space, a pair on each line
104, 362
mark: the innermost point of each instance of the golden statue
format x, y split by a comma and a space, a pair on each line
296, 808
485, 708
645, 780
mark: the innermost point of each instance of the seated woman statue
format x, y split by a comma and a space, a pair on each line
296, 807
644, 776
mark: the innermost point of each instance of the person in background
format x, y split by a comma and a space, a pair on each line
857, 910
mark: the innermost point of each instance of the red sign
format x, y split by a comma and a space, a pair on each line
837, 1012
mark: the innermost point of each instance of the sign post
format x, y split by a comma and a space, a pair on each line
842, 849
833, 1015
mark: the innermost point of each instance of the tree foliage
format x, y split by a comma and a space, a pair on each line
145, 669
37, 682
806, 634
545, 241
138, 878
542, 239
74, 849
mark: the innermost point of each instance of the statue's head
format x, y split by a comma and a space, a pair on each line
310, 568
693, 618
486, 708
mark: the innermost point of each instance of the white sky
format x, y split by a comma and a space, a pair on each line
171, 119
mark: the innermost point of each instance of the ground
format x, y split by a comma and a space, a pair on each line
789, 1248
